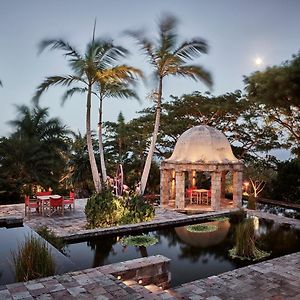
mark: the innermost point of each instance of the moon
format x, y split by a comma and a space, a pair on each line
258, 61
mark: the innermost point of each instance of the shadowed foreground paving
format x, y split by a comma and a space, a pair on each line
274, 279
278, 279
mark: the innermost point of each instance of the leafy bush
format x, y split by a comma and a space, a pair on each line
51, 238
33, 260
105, 210
139, 240
137, 210
201, 228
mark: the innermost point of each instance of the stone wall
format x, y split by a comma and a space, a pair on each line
146, 270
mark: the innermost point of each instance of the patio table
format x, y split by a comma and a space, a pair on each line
44, 200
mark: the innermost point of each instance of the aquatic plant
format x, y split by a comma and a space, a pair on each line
139, 240
202, 228
245, 246
33, 259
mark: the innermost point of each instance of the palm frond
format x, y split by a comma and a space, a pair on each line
167, 32
191, 49
193, 72
69, 93
59, 44
52, 81
145, 44
1, 83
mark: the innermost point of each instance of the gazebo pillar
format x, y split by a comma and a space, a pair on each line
192, 178
180, 197
223, 184
237, 180
164, 187
216, 190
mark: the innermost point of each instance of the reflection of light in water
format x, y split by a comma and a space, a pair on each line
255, 222
204, 239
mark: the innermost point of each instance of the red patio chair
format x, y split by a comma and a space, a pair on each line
70, 201
30, 203
56, 205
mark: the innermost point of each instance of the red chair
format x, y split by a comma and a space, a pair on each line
70, 201
30, 203
56, 205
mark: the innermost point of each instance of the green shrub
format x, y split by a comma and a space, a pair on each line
51, 238
33, 260
104, 210
245, 247
139, 240
202, 228
137, 210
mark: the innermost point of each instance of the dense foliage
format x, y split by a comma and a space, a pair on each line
106, 210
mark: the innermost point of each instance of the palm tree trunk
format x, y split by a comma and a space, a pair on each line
94, 168
147, 166
100, 142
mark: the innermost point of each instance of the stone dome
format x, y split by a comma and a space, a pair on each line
202, 144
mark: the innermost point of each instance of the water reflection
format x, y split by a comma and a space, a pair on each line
204, 239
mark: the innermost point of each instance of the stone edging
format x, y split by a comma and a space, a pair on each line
125, 229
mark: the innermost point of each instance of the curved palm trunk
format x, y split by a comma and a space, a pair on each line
147, 166
94, 168
100, 143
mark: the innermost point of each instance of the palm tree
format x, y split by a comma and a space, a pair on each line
113, 82
35, 153
167, 58
86, 68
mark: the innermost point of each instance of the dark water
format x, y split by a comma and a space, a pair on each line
193, 255
10, 240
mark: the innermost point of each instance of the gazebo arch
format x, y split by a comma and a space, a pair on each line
201, 148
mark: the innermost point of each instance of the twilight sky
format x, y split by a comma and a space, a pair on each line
237, 31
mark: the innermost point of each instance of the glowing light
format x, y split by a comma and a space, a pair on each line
258, 61
119, 277
140, 281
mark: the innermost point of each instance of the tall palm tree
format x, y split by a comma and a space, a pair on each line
113, 82
167, 58
86, 68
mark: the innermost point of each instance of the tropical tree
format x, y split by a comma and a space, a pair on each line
167, 58
277, 90
86, 71
1, 83
35, 152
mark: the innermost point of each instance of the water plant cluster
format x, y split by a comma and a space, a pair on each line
139, 240
33, 259
202, 228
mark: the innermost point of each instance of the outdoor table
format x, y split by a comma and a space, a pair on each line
201, 196
44, 200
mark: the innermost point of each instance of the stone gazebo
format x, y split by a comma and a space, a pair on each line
201, 148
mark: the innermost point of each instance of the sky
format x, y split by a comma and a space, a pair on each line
237, 32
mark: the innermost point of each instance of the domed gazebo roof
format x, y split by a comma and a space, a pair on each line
202, 144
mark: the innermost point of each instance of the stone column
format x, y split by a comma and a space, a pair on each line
180, 195
237, 178
223, 184
164, 187
192, 178
216, 190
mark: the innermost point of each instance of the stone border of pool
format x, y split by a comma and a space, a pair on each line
129, 228
11, 221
